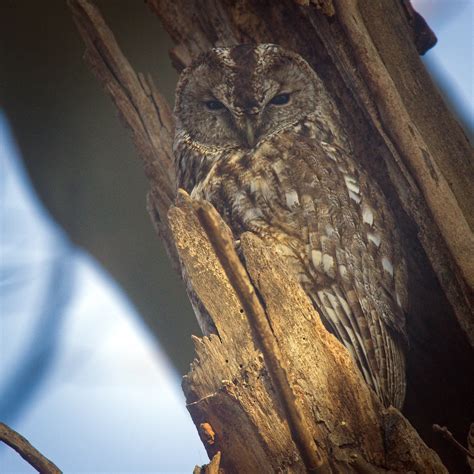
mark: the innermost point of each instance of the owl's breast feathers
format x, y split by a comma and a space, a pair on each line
304, 192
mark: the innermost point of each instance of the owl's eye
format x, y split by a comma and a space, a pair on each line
214, 105
280, 99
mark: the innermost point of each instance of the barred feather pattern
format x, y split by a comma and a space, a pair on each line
300, 189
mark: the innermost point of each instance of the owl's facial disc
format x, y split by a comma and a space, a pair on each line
237, 97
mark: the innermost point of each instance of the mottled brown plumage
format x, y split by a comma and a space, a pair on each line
259, 137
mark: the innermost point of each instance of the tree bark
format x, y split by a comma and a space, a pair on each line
229, 386
366, 54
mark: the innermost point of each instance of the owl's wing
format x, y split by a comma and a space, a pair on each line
355, 273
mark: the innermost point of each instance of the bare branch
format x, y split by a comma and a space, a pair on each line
443, 431
30, 454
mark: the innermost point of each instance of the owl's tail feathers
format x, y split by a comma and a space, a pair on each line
378, 354
338, 318
390, 361
394, 392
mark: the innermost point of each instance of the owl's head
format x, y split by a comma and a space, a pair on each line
235, 97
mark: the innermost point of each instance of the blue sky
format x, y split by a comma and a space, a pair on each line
451, 61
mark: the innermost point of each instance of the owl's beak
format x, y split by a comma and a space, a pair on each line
249, 131
248, 125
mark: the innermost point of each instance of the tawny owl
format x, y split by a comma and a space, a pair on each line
259, 137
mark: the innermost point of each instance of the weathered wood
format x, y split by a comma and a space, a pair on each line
419, 152
211, 468
229, 387
366, 56
372, 96
440, 291
262, 332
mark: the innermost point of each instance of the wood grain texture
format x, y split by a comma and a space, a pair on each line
372, 96
440, 322
262, 332
229, 387
229, 381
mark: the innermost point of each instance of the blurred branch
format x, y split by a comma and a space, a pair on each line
30, 454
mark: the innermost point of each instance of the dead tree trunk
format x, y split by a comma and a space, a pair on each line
366, 53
